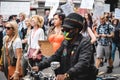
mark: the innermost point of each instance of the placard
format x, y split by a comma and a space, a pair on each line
52, 11
67, 8
106, 7
87, 4
46, 48
51, 3
117, 13
14, 8
98, 11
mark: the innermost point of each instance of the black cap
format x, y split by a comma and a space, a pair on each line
73, 20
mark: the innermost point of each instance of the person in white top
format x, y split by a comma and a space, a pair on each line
36, 34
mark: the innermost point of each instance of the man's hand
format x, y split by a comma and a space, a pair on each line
61, 77
104, 35
35, 68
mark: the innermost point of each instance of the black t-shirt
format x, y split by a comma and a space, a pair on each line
116, 37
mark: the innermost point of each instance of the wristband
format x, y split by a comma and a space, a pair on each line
66, 75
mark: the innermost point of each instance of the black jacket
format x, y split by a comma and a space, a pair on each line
75, 59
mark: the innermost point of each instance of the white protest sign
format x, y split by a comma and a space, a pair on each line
106, 7
51, 3
98, 11
67, 8
117, 13
14, 8
87, 4
52, 11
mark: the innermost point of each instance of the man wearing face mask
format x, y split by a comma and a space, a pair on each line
75, 54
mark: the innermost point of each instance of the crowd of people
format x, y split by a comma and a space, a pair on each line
80, 43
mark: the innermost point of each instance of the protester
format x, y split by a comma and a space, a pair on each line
46, 21
74, 55
87, 32
116, 38
55, 34
104, 35
36, 34
24, 41
21, 25
1, 44
12, 51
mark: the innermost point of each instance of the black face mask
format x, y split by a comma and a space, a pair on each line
69, 33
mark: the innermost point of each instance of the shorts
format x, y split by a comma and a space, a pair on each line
103, 51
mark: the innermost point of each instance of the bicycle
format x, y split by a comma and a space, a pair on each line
40, 75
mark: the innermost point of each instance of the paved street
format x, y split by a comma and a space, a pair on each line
116, 70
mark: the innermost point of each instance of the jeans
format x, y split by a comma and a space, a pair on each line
114, 46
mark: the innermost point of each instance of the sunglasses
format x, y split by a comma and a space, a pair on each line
8, 28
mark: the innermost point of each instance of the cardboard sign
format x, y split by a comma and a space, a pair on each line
46, 48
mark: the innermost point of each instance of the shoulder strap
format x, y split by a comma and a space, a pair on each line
6, 58
30, 38
99, 28
108, 28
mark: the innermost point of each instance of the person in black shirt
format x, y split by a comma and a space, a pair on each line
75, 54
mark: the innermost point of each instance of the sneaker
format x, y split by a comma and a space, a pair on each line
109, 69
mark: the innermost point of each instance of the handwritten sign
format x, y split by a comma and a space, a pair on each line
117, 13
67, 8
106, 7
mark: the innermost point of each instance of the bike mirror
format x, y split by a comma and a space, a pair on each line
55, 65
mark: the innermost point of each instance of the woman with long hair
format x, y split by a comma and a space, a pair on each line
55, 34
36, 34
12, 51
89, 20
116, 39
